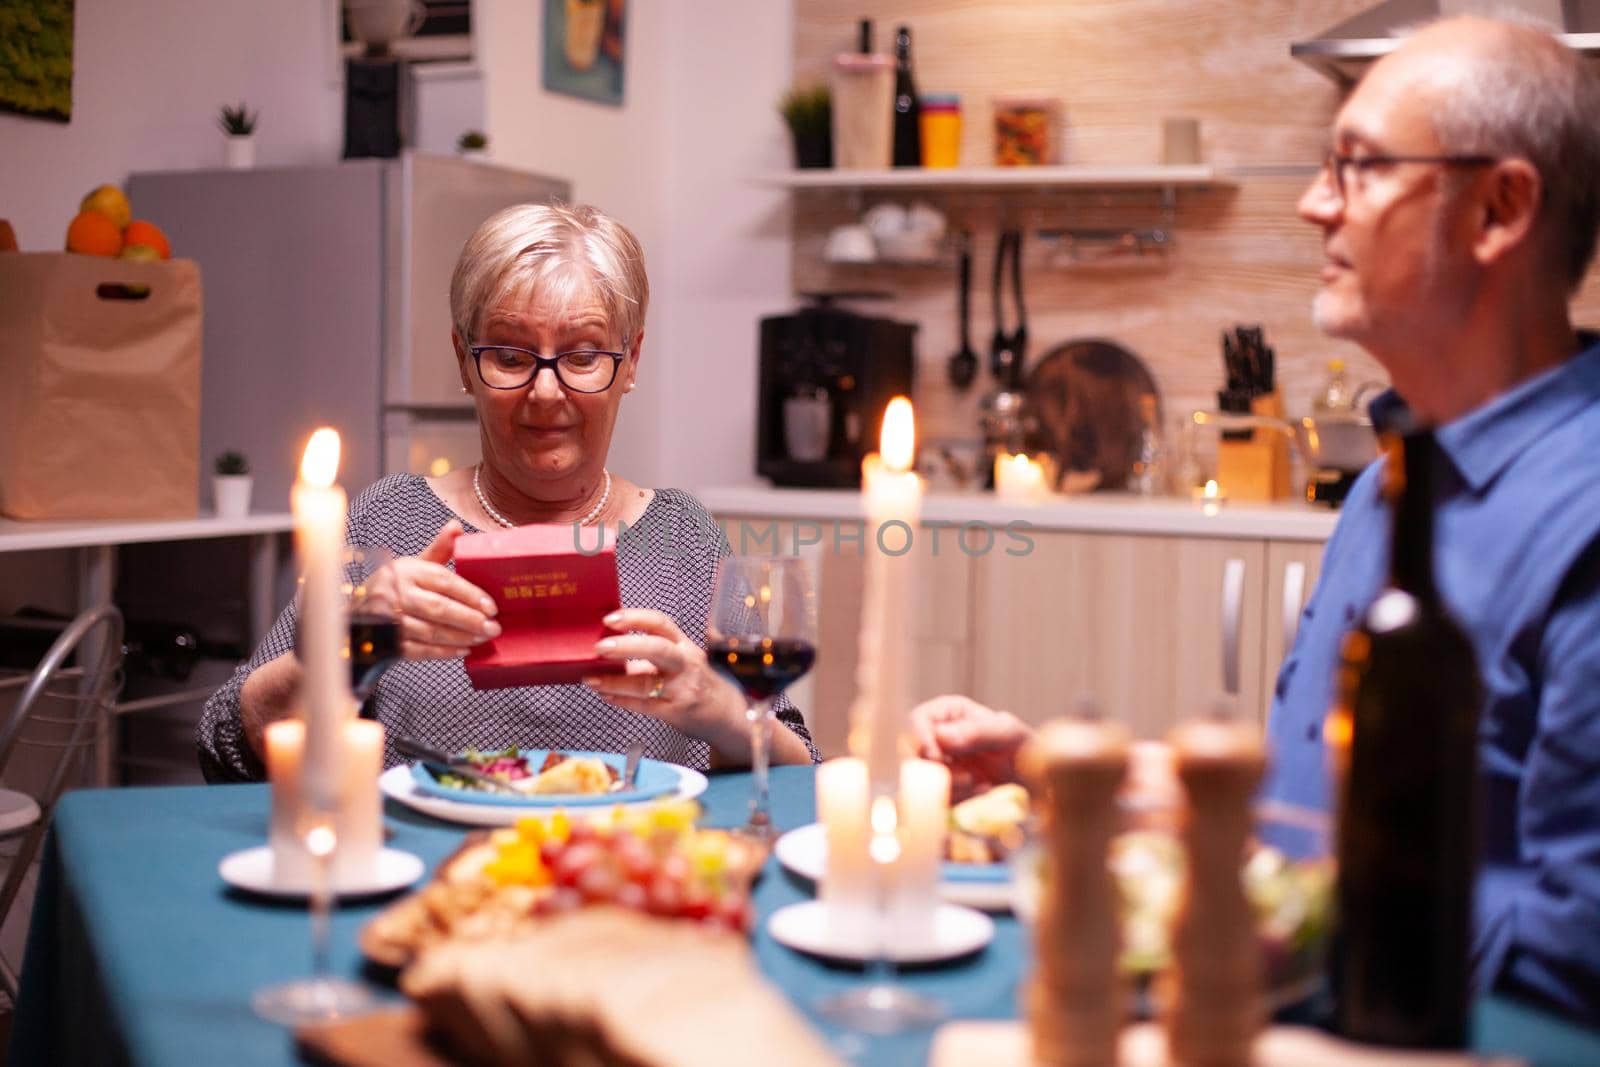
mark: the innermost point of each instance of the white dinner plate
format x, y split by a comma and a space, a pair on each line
804, 927
804, 851
399, 783
250, 869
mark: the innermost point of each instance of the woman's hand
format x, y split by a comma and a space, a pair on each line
977, 742
441, 615
668, 679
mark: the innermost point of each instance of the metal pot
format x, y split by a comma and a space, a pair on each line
1342, 441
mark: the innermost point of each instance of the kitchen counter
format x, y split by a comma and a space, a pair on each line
1109, 512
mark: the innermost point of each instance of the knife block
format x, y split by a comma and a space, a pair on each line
1256, 468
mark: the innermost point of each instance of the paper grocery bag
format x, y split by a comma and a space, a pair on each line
99, 387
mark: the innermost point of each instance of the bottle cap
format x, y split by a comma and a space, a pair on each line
941, 102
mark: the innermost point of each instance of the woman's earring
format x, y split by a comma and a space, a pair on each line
628, 388
464, 389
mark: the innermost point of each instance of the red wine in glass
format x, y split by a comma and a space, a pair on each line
761, 667
761, 635
374, 647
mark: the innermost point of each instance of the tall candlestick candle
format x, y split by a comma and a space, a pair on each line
883, 674
319, 515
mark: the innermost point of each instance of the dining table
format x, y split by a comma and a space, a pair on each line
139, 953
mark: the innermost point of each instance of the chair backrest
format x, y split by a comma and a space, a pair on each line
97, 634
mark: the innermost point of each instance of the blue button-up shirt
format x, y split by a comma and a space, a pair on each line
1517, 561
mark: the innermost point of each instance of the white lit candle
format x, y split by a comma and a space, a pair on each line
319, 514
848, 882
924, 821
285, 745
883, 675
358, 820
360, 815
1018, 477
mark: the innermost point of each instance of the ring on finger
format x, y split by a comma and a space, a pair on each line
659, 688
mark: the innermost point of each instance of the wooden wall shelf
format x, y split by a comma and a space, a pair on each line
1154, 176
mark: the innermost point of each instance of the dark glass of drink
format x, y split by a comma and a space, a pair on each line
761, 636
374, 631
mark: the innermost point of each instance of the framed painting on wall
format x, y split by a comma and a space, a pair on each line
583, 48
36, 62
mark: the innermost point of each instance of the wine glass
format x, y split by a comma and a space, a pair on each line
321, 997
761, 635
374, 630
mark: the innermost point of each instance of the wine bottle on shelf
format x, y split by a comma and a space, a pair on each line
907, 105
1403, 738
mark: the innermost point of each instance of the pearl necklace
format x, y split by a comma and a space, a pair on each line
489, 510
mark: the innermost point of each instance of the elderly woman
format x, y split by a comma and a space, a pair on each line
547, 306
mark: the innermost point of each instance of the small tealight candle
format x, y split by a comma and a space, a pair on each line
1211, 497
1019, 477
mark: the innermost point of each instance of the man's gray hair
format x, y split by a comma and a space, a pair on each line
1528, 95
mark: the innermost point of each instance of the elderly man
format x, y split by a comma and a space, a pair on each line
1459, 207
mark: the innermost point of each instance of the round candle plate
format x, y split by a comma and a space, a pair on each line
957, 932
987, 887
400, 784
250, 869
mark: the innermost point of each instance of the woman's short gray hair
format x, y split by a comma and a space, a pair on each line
551, 254
1527, 95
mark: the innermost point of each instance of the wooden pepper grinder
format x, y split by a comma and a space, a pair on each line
1075, 1002
1215, 1005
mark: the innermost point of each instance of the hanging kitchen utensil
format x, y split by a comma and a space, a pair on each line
1008, 349
1083, 400
963, 366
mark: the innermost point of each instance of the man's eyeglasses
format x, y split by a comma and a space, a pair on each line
1339, 166
582, 370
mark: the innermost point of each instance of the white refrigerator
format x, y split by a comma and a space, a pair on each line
326, 302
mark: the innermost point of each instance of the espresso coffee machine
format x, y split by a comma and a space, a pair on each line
826, 375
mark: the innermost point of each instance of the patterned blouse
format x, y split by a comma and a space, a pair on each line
667, 561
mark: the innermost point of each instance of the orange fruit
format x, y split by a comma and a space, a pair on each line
140, 232
110, 202
93, 234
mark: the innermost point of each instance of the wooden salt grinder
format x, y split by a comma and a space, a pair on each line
1074, 1001
1214, 998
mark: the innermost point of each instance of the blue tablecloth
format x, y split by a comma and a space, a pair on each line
139, 954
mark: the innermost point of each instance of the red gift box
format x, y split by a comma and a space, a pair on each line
552, 597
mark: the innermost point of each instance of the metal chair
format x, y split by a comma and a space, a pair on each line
28, 817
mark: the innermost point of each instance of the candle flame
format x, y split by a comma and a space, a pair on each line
897, 443
320, 463
1211, 487
1020, 461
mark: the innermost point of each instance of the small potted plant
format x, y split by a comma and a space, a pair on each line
473, 144
808, 112
231, 486
239, 123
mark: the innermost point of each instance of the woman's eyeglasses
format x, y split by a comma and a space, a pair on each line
582, 370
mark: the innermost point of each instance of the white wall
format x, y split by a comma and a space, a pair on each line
675, 163
148, 79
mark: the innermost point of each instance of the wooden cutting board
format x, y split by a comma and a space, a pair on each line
390, 1038
1083, 398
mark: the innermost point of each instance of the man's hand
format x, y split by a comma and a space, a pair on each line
978, 743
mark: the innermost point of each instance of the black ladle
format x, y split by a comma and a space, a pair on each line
963, 366
1007, 349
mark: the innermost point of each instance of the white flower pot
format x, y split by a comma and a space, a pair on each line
231, 494
241, 151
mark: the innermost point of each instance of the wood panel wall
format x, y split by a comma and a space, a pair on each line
1119, 67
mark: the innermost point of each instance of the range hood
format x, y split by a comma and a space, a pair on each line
1344, 51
